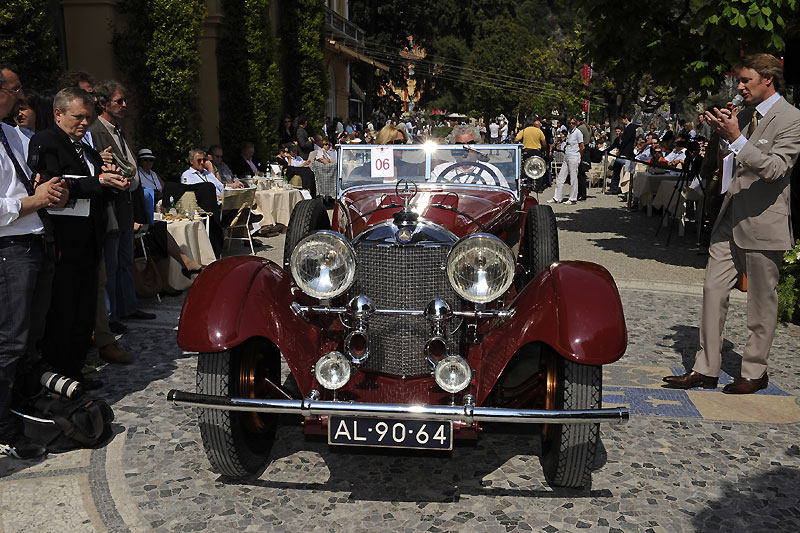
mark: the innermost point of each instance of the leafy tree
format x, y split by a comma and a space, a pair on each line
302, 36
249, 80
27, 42
158, 52
687, 44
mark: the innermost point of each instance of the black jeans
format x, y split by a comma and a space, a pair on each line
617, 170
20, 263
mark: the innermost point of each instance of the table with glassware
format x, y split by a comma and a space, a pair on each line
275, 200
192, 238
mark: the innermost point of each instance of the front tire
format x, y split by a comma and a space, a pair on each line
540, 248
307, 216
237, 443
568, 450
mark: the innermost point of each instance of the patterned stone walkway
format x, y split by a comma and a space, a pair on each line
687, 460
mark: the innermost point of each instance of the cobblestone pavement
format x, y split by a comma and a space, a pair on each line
692, 461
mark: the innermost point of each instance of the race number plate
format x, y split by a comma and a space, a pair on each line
422, 434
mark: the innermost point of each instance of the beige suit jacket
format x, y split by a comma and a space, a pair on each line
759, 197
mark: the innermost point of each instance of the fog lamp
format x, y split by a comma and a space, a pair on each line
332, 370
452, 373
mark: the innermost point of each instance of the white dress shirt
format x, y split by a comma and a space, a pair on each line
12, 190
762, 109
191, 176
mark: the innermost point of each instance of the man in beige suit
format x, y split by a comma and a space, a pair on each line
752, 230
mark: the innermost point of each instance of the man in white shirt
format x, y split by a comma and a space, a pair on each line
503, 132
494, 132
201, 171
573, 150
21, 254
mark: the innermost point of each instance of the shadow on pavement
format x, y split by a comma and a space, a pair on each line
685, 342
635, 235
759, 503
500, 464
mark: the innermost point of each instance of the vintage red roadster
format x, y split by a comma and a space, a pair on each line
432, 301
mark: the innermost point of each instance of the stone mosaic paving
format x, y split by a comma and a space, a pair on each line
685, 463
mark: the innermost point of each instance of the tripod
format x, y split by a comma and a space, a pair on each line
686, 177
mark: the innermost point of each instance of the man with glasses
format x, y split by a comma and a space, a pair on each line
472, 167
22, 279
79, 233
107, 135
201, 171
573, 151
221, 169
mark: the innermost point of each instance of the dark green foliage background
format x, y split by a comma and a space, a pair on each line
249, 78
158, 53
28, 44
305, 81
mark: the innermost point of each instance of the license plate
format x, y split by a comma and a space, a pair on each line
422, 434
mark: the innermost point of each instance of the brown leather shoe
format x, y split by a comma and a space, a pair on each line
690, 380
746, 386
112, 353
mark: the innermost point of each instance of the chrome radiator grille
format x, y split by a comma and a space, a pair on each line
402, 277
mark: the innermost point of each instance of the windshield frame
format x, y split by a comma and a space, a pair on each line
429, 150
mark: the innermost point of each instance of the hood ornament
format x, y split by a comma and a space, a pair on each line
406, 190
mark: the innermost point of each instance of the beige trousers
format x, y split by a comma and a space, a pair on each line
725, 263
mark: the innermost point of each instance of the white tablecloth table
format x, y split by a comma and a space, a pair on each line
276, 205
646, 185
192, 238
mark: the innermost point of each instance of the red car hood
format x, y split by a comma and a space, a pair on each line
483, 205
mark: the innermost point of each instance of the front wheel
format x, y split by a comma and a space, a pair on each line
540, 248
237, 443
568, 450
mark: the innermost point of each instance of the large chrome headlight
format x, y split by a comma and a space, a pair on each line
452, 373
333, 370
323, 264
480, 267
534, 167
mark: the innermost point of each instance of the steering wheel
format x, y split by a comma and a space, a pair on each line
459, 173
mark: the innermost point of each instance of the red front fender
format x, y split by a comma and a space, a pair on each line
241, 297
574, 307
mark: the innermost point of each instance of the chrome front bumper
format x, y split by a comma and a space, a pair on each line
467, 413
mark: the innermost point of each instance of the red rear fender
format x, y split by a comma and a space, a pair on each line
238, 298
574, 307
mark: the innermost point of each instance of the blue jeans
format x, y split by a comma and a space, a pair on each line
20, 264
121, 291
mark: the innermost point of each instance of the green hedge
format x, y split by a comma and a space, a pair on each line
789, 286
28, 44
303, 41
249, 79
158, 52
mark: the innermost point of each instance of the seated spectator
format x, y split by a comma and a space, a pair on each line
677, 155
245, 164
201, 170
147, 177
222, 170
657, 157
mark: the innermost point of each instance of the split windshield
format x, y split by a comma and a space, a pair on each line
469, 164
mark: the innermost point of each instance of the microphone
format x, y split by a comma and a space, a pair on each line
737, 101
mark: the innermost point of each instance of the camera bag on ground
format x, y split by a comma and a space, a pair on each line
61, 424
61, 417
